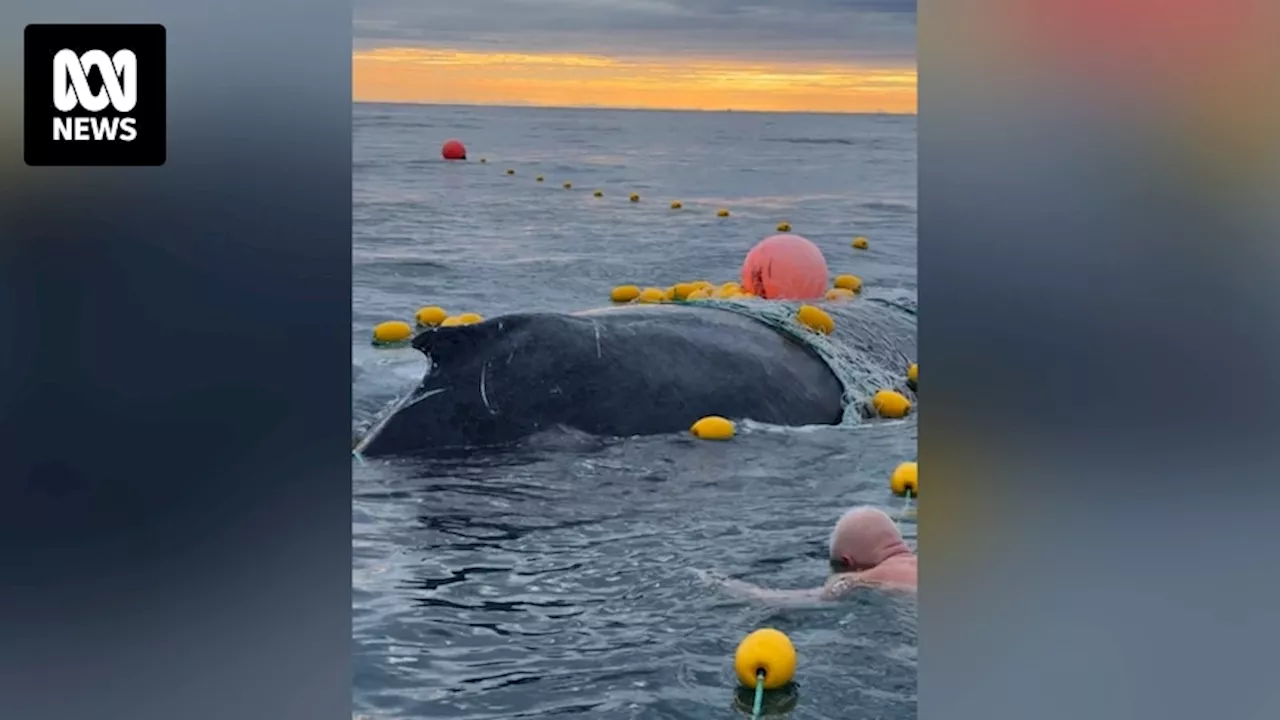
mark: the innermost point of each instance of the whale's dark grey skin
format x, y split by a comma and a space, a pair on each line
626, 371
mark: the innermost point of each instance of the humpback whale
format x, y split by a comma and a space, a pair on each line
620, 371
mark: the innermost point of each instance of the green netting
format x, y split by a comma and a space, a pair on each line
872, 345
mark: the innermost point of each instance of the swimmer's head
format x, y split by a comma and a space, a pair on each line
863, 538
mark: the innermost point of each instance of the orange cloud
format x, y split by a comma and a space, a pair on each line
570, 80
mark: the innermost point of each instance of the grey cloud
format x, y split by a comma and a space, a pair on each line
822, 30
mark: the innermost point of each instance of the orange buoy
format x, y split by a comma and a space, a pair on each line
453, 150
785, 267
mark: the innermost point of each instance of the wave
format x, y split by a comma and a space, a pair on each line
814, 141
896, 208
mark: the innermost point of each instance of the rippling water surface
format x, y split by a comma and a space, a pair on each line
556, 579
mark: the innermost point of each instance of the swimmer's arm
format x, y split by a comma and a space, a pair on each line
841, 585
844, 584
746, 590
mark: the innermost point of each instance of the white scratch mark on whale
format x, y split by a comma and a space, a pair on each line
484, 396
596, 327
415, 400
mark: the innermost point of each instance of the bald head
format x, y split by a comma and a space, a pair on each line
863, 538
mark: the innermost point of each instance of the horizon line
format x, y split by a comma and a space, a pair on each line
537, 106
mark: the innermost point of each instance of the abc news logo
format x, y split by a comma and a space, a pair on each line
107, 105
71, 90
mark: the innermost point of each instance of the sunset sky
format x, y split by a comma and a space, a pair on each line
783, 55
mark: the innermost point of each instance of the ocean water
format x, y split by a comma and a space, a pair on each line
557, 579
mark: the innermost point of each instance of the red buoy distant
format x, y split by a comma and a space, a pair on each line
785, 267
454, 150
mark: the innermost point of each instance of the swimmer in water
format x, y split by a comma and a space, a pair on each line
866, 551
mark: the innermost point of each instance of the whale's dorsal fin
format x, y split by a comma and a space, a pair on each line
438, 342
